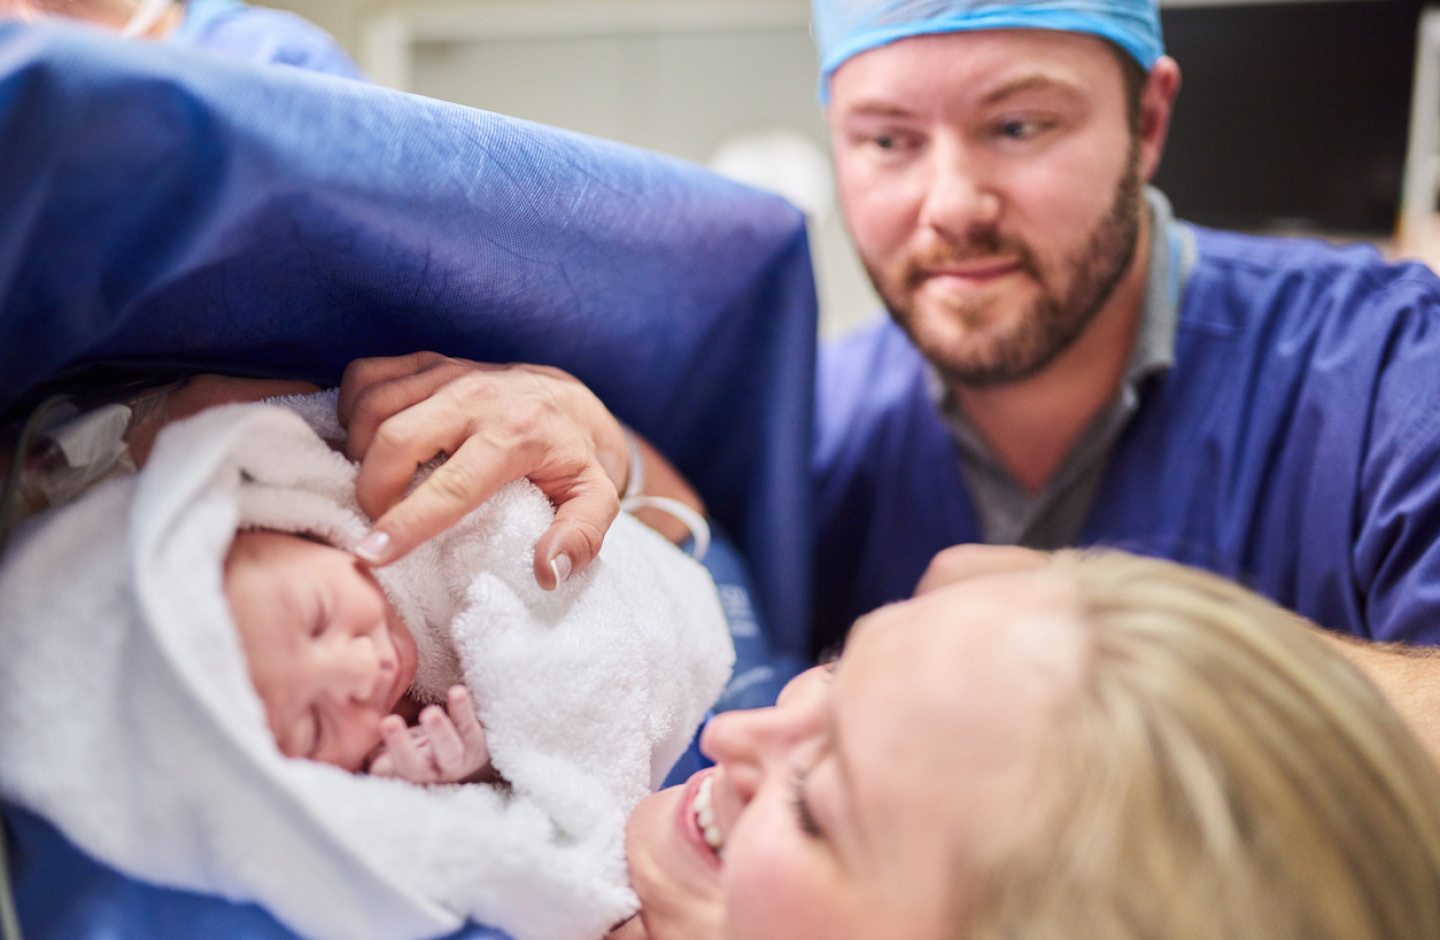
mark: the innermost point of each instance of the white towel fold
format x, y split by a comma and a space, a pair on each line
129, 720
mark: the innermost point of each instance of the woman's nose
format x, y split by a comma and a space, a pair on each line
752, 744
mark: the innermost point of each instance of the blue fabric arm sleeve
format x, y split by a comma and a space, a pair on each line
169, 210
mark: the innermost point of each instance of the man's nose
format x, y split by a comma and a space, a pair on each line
959, 199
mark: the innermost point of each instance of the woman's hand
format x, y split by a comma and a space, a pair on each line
495, 424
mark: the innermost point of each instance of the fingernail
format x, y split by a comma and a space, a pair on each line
374, 547
560, 564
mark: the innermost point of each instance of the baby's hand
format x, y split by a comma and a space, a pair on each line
440, 749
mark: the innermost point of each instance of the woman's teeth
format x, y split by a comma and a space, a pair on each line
704, 810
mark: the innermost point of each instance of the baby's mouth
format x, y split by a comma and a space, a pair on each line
704, 810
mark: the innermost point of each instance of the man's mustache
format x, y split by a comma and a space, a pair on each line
981, 245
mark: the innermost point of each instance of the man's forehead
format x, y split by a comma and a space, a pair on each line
982, 66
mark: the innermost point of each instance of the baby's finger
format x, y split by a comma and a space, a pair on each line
382, 764
407, 749
467, 723
447, 751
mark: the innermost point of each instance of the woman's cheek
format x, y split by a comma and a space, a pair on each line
774, 883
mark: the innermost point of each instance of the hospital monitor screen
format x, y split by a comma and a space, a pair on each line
1291, 117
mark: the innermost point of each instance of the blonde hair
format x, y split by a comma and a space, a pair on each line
1221, 773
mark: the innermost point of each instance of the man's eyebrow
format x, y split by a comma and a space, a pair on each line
877, 107
1028, 83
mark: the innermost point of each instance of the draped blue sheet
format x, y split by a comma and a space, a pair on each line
163, 211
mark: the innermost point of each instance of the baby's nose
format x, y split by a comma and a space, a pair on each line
358, 668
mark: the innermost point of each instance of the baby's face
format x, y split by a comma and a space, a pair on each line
327, 653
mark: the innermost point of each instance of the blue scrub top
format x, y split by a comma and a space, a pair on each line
1294, 445
260, 34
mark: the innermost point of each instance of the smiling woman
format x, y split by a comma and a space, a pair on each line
1094, 745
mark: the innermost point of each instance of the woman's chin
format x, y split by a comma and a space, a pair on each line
678, 887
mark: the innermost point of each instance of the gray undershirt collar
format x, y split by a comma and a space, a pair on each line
1055, 516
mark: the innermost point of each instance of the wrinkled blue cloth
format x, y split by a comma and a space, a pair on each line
1294, 445
846, 28
170, 212
260, 34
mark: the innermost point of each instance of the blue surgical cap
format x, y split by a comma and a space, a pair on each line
845, 28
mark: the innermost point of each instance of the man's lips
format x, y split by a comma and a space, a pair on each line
972, 271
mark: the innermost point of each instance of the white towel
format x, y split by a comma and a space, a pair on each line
129, 720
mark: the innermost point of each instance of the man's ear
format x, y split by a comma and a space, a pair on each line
1157, 100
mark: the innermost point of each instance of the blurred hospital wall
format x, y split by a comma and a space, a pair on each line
1292, 118
730, 83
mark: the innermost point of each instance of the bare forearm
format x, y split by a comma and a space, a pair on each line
1409, 677
662, 479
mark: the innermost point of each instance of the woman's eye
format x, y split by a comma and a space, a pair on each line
803, 817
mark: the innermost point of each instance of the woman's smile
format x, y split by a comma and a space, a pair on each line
696, 817
704, 810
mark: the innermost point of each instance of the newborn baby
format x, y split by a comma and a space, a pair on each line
341, 676
235, 658
332, 662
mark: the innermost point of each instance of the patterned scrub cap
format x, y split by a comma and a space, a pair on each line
845, 28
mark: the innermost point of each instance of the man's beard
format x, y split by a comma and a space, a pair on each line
1052, 323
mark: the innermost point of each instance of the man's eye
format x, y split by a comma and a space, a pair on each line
1019, 129
888, 142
